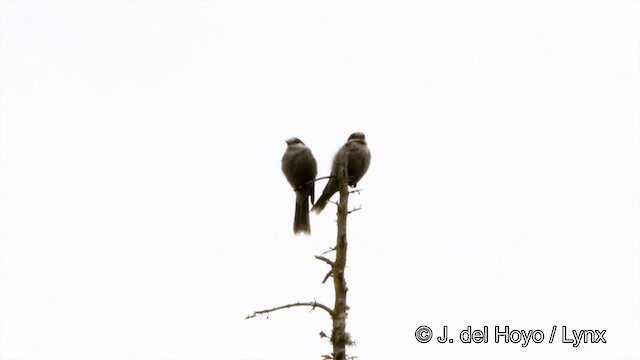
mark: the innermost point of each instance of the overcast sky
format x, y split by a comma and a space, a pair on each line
144, 213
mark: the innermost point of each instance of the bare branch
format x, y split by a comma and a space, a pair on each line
327, 276
330, 250
340, 338
322, 258
313, 304
311, 182
316, 179
355, 191
354, 209
333, 202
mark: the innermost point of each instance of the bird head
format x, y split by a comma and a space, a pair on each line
357, 137
294, 141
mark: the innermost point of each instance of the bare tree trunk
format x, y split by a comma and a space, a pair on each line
339, 337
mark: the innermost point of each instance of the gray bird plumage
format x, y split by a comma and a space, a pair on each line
300, 168
358, 157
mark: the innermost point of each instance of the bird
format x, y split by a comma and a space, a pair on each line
300, 168
358, 157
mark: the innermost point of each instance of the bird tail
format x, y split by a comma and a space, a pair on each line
321, 203
330, 189
301, 219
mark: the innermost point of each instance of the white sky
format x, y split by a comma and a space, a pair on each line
144, 214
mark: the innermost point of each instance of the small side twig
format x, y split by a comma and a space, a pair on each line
330, 250
354, 209
316, 179
327, 276
313, 304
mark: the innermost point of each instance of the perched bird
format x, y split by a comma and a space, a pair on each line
358, 157
300, 168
